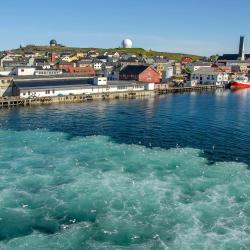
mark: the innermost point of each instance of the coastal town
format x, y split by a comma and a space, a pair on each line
55, 73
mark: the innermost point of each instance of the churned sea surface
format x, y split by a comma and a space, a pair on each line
170, 172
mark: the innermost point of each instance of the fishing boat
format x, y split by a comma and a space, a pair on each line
240, 82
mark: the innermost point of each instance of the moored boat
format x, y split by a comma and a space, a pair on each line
240, 82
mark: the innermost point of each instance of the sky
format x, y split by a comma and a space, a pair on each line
185, 26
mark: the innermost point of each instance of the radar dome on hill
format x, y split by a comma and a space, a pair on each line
127, 43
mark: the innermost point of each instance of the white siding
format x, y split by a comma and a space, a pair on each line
50, 92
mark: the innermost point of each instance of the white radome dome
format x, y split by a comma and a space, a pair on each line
127, 43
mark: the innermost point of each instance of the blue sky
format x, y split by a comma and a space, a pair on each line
191, 26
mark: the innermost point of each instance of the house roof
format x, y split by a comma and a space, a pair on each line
207, 71
55, 83
202, 64
232, 57
133, 69
229, 57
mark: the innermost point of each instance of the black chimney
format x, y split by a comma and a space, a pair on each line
241, 49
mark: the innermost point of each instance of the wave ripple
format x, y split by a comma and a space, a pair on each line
58, 192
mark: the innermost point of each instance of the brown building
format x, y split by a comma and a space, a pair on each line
161, 86
139, 73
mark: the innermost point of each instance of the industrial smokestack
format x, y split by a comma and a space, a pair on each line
241, 49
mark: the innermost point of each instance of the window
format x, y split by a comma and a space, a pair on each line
28, 92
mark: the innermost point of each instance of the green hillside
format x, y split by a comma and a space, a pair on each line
137, 51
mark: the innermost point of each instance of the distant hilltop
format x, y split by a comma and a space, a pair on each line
137, 51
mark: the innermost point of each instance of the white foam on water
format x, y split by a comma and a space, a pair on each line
92, 193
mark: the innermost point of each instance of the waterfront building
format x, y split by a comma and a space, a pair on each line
209, 76
48, 72
78, 86
23, 71
6, 86
139, 73
161, 86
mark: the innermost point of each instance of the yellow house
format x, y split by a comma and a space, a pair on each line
81, 54
160, 68
70, 58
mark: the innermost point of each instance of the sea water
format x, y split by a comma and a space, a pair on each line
66, 185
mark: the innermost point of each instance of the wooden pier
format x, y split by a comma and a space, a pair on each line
187, 89
7, 102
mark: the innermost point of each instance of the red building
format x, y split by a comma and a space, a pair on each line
69, 68
88, 71
140, 73
186, 60
53, 57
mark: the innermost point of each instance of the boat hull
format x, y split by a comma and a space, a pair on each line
236, 85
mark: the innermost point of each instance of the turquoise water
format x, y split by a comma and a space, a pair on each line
168, 172
58, 192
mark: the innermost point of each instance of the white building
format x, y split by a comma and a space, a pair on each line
30, 71
6, 86
197, 65
100, 81
48, 72
209, 76
167, 73
23, 71
5, 58
97, 65
32, 89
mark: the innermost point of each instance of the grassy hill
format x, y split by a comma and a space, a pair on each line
137, 51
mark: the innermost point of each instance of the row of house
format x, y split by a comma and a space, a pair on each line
88, 63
